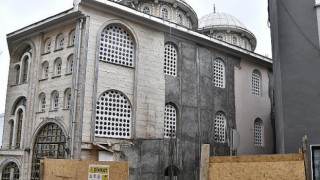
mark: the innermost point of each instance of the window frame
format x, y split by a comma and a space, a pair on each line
57, 67
67, 98
60, 41
219, 63
55, 100
47, 46
103, 114
258, 132
168, 120
129, 48
167, 13
217, 132
167, 66
256, 83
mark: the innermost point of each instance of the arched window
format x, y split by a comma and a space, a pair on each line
50, 143
164, 13
11, 172
25, 65
113, 115
219, 37
245, 44
60, 41
57, 67
220, 124
17, 73
54, 100
116, 46
42, 102
70, 64
72, 38
258, 132
47, 46
180, 19
219, 73
11, 123
170, 60
146, 10
45, 70
256, 83
19, 120
67, 98
170, 121
234, 40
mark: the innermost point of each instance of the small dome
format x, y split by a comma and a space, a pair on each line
220, 19
216, 23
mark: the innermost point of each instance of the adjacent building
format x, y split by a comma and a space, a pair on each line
137, 81
295, 48
1, 127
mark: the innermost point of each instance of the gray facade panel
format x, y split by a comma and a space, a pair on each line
296, 69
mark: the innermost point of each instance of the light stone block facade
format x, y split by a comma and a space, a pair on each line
145, 85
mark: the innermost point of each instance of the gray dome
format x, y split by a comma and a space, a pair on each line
223, 22
220, 19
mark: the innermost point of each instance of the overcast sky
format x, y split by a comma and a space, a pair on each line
16, 14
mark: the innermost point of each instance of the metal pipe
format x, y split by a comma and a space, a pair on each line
75, 94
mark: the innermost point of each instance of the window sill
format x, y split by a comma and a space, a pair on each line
68, 74
66, 109
43, 79
45, 53
53, 110
19, 84
58, 49
71, 46
40, 112
57, 76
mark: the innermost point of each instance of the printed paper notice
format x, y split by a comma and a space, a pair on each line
98, 172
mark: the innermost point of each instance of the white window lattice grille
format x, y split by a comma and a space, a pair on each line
257, 131
170, 121
220, 128
219, 73
170, 60
113, 115
164, 13
146, 10
256, 83
116, 46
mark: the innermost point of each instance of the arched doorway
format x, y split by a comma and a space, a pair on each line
50, 143
10, 172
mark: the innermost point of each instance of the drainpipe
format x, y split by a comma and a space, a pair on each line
75, 92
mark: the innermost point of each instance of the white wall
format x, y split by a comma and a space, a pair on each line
249, 107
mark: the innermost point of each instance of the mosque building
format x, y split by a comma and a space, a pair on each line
142, 81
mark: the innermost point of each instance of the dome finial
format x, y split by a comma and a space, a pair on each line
214, 8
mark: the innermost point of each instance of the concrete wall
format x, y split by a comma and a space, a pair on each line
1, 128
295, 41
249, 107
290, 166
